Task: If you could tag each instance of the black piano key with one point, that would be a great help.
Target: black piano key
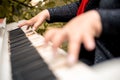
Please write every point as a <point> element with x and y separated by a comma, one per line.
<point>17,76</point>
<point>50,77</point>
<point>26,60</point>
<point>20,47</point>
<point>18,43</point>
<point>18,36</point>
<point>35,68</point>
<point>30,66</point>
<point>21,51</point>
<point>17,39</point>
<point>16,32</point>
<point>23,55</point>
<point>35,75</point>
<point>36,72</point>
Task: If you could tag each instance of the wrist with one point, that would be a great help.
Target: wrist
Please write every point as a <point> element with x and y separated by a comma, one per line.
<point>46,13</point>
<point>96,22</point>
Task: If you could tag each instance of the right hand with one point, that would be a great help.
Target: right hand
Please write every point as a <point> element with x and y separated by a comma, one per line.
<point>37,20</point>
<point>80,30</point>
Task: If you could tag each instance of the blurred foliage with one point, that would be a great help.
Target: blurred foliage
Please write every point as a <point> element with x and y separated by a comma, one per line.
<point>15,10</point>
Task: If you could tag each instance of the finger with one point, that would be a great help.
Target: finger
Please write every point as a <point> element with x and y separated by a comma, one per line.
<point>36,25</point>
<point>28,27</point>
<point>23,23</point>
<point>58,38</point>
<point>73,50</point>
<point>49,35</point>
<point>27,22</point>
<point>89,42</point>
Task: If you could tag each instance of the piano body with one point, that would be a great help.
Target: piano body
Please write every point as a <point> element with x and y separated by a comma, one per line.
<point>24,56</point>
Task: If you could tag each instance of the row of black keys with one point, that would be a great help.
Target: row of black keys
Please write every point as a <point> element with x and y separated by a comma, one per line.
<point>25,60</point>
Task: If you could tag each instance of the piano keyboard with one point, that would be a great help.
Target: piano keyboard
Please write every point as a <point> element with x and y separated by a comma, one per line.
<point>24,56</point>
<point>26,62</point>
<point>31,59</point>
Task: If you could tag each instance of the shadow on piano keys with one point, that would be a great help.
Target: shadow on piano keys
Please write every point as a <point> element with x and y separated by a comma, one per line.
<point>31,59</point>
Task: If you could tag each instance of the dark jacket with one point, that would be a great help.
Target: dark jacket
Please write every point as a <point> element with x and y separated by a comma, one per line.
<point>109,11</point>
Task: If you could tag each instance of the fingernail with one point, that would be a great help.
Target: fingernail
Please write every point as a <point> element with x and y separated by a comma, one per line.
<point>18,25</point>
<point>33,28</point>
<point>71,60</point>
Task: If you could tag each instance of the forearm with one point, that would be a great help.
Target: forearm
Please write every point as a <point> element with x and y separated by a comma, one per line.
<point>63,13</point>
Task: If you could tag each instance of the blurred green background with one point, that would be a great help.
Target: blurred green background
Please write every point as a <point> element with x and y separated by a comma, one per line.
<point>15,10</point>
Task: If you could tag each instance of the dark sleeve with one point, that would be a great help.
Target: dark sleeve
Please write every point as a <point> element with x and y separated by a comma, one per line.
<point>110,22</point>
<point>63,13</point>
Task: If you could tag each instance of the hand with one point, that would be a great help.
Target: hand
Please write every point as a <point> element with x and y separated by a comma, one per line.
<point>81,29</point>
<point>37,20</point>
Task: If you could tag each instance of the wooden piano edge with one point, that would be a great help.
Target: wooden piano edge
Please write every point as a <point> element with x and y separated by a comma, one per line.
<point>5,66</point>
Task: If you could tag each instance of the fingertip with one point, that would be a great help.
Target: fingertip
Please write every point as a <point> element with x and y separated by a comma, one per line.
<point>36,25</point>
<point>73,50</point>
<point>90,45</point>
<point>47,35</point>
<point>34,28</point>
<point>19,25</point>
<point>89,42</point>
<point>71,60</point>
<point>46,41</point>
